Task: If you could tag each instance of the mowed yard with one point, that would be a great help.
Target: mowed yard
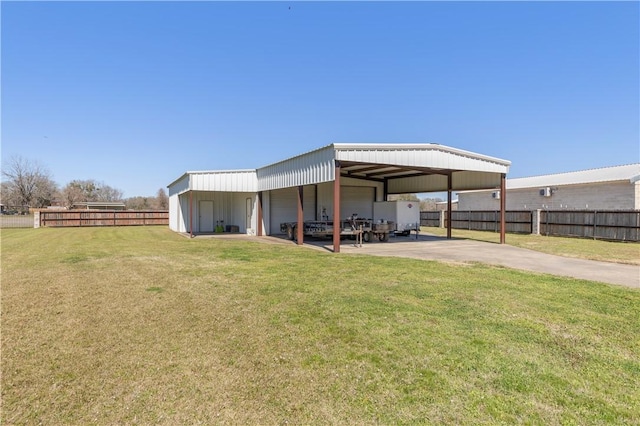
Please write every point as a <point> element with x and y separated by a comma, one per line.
<point>140,325</point>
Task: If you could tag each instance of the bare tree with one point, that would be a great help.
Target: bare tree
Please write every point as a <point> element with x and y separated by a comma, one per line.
<point>138,203</point>
<point>72,193</point>
<point>27,183</point>
<point>108,194</point>
<point>88,190</point>
<point>403,197</point>
<point>429,204</point>
<point>162,201</point>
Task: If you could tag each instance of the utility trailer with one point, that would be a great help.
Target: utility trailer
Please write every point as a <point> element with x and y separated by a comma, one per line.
<point>349,228</point>
<point>404,215</point>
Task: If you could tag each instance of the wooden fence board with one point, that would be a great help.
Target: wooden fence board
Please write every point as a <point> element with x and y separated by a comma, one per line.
<point>482,220</point>
<point>430,218</point>
<point>76,218</point>
<point>617,225</point>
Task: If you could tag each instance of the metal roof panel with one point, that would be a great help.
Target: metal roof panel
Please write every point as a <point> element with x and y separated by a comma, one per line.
<point>630,172</point>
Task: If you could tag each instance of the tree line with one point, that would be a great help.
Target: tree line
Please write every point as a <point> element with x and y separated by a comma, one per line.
<point>28,184</point>
<point>426,204</point>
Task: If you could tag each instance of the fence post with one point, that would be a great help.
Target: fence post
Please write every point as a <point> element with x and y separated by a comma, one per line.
<point>546,215</point>
<point>442,219</point>
<point>36,219</point>
<point>595,213</point>
<point>535,221</point>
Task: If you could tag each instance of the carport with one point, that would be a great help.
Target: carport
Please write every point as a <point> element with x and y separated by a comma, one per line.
<point>396,168</point>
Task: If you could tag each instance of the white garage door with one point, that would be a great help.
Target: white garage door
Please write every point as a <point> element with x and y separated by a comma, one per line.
<point>357,199</point>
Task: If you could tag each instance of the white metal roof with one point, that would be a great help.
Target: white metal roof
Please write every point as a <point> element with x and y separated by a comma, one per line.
<point>406,168</point>
<point>216,180</point>
<point>433,155</point>
<point>629,172</point>
<point>415,167</point>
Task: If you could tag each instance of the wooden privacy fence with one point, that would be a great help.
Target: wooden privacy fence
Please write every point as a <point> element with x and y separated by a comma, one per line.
<point>516,221</point>
<point>617,225</point>
<point>620,225</point>
<point>69,218</point>
<point>480,220</point>
<point>430,218</point>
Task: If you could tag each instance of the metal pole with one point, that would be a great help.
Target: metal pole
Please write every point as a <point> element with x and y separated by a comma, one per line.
<point>503,207</point>
<point>336,209</point>
<point>449,204</point>
<point>300,230</point>
<point>260,213</point>
<point>191,214</point>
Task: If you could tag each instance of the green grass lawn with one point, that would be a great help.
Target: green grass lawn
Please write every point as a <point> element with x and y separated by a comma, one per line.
<point>584,248</point>
<point>139,325</point>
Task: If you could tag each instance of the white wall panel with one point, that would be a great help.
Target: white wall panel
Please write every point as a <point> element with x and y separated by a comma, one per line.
<point>283,208</point>
<point>180,185</point>
<point>231,181</point>
<point>430,183</point>
<point>307,169</point>
<point>357,199</point>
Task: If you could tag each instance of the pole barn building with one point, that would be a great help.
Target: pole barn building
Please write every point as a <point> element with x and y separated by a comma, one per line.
<point>325,184</point>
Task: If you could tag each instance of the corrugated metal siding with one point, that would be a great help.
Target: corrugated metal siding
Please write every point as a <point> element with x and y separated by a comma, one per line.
<point>176,222</point>
<point>421,155</point>
<point>318,166</point>
<point>432,183</point>
<point>473,180</point>
<point>284,206</point>
<point>226,181</point>
<point>180,185</point>
<point>358,200</point>
<point>307,169</point>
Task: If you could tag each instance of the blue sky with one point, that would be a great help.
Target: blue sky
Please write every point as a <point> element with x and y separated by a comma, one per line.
<point>136,93</point>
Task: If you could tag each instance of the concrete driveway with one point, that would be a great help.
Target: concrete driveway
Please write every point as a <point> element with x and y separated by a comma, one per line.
<point>463,250</point>
<point>430,247</point>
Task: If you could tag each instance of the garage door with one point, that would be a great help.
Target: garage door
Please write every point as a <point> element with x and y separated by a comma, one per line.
<point>357,199</point>
<point>284,206</point>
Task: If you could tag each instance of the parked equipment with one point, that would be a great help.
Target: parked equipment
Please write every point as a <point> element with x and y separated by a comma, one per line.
<point>349,227</point>
<point>404,215</point>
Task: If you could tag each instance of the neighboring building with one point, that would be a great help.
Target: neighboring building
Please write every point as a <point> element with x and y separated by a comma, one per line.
<point>443,205</point>
<point>607,188</point>
<point>98,205</point>
<point>336,180</point>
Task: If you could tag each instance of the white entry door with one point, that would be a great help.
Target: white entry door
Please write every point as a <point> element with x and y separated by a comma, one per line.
<point>206,216</point>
